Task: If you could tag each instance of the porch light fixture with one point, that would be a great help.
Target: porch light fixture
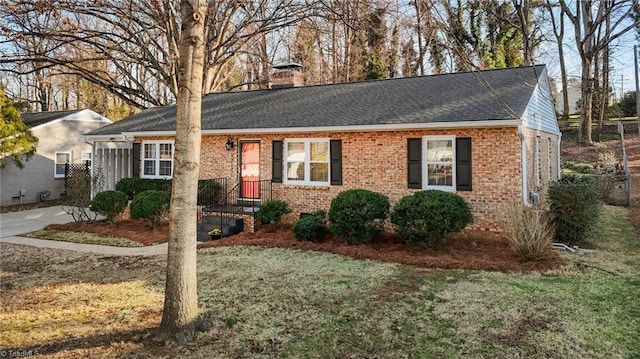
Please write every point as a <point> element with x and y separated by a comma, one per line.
<point>229,144</point>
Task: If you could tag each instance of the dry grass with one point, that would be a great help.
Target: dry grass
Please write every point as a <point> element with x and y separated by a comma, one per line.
<point>529,232</point>
<point>282,303</point>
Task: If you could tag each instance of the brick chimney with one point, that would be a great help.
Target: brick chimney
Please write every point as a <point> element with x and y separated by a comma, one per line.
<point>287,75</point>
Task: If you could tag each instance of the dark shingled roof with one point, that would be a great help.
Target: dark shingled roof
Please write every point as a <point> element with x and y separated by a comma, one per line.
<point>501,94</point>
<point>33,119</point>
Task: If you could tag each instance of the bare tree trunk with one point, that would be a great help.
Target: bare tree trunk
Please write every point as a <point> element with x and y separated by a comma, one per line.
<point>181,292</point>
<point>584,128</point>
<point>559,35</point>
<point>421,50</point>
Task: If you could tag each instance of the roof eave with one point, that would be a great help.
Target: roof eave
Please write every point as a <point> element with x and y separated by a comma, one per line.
<point>360,128</point>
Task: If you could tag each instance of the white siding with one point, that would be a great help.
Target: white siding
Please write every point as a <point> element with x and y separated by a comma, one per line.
<point>540,114</point>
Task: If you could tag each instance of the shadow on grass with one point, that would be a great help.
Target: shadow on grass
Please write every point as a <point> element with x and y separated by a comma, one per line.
<point>144,337</point>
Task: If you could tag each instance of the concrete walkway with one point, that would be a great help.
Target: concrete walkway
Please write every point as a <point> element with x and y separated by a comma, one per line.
<point>13,224</point>
<point>159,249</point>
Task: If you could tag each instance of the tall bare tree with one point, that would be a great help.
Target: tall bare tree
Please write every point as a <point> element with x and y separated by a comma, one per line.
<point>587,16</point>
<point>181,292</point>
<point>557,24</point>
<point>138,38</point>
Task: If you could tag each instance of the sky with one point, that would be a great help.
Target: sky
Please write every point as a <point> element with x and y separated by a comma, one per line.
<point>622,76</point>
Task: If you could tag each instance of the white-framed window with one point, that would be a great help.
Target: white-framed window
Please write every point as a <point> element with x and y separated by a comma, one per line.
<point>157,159</point>
<point>439,170</point>
<point>87,156</point>
<point>60,160</point>
<point>307,161</point>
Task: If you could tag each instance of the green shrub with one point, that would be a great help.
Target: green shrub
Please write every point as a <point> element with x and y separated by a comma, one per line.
<point>529,233</point>
<point>574,209</point>
<point>358,215</point>
<point>311,228</point>
<point>583,168</point>
<point>109,204</point>
<point>575,179</point>
<point>132,186</point>
<point>150,205</point>
<point>272,211</point>
<point>429,217</point>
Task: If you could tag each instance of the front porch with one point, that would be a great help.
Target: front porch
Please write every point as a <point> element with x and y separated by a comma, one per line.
<point>230,208</point>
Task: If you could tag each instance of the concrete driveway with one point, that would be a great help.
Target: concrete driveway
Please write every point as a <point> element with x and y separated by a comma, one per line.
<point>15,223</point>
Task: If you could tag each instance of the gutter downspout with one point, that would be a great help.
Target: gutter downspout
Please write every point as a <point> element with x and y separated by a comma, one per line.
<point>558,157</point>
<point>523,151</point>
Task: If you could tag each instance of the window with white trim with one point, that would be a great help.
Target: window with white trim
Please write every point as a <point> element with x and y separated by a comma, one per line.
<point>60,160</point>
<point>307,161</point>
<point>439,166</point>
<point>87,156</point>
<point>157,159</point>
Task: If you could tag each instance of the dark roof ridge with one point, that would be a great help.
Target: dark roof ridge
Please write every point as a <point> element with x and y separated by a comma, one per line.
<point>534,66</point>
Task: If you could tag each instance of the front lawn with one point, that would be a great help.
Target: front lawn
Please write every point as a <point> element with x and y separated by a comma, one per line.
<point>284,303</point>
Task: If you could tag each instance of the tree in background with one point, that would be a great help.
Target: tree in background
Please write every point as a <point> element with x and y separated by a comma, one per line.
<point>628,105</point>
<point>596,24</point>
<point>17,143</point>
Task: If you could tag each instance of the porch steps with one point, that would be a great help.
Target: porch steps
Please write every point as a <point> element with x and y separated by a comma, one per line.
<point>235,226</point>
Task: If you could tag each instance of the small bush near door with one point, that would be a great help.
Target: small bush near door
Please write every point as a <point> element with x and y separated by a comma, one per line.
<point>272,211</point>
<point>109,204</point>
<point>150,205</point>
<point>429,217</point>
<point>358,215</point>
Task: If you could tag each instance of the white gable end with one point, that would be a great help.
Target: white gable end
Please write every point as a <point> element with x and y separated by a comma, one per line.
<point>540,112</point>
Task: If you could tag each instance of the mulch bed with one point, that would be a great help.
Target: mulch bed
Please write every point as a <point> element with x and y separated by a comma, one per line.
<point>470,250</point>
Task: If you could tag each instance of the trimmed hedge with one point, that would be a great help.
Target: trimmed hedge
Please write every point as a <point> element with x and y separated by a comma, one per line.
<point>132,186</point>
<point>272,211</point>
<point>109,204</point>
<point>574,209</point>
<point>358,215</point>
<point>150,205</point>
<point>429,217</point>
<point>311,228</point>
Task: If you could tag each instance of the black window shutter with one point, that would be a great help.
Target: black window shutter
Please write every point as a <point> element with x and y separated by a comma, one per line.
<point>276,162</point>
<point>135,161</point>
<point>463,163</point>
<point>335,150</point>
<point>414,163</point>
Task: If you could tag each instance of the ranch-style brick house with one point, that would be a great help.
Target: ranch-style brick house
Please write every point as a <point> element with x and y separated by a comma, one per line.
<point>489,136</point>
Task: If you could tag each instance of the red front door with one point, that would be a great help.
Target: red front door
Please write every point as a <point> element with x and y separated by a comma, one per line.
<point>250,170</point>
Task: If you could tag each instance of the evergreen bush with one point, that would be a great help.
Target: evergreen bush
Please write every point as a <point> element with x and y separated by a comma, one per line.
<point>574,208</point>
<point>132,186</point>
<point>429,217</point>
<point>109,204</point>
<point>150,205</point>
<point>311,228</point>
<point>272,211</point>
<point>358,215</point>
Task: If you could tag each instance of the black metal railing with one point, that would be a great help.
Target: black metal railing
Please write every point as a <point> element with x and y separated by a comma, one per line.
<point>211,194</point>
<point>243,198</point>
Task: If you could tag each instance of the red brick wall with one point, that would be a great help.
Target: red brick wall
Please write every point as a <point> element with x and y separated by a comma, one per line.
<point>377,161</point>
